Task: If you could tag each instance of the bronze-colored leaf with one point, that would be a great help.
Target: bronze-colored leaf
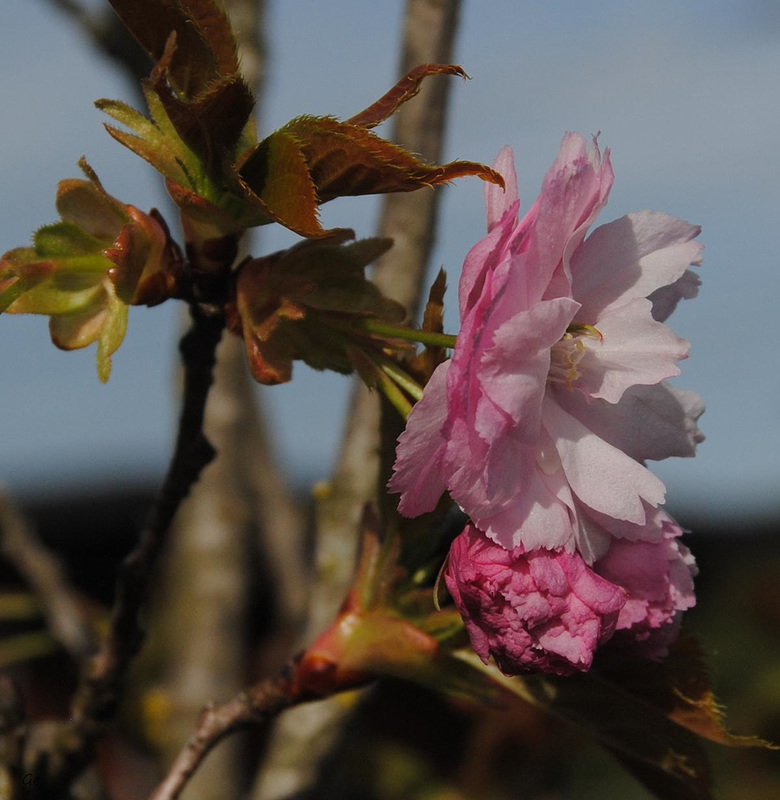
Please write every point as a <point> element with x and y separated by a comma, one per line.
<point>313,159</point>
<point>663,754</point>
<point>211,120</point>
<point>212,123</point>
<point>404,90</point>
<point>680,686</point>
<point>205,46</point>
<point>276,178</point>
<point>426,362</point>
<point>346,160</point>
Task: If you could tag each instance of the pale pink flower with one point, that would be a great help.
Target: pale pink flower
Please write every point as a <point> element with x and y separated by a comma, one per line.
<point>556,390</point>
<point>539,611</point>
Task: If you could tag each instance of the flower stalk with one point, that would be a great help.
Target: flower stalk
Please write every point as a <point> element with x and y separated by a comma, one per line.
<point>430,338</point>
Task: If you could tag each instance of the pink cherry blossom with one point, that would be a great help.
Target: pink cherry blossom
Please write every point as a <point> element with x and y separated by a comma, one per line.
<point>539,611</point>
<point>556,392</point>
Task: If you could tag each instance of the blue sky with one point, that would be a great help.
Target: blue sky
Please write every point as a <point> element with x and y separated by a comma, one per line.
<point>683,93</point>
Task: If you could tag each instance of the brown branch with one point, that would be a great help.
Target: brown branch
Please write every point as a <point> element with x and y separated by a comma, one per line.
<point>47,578</point>
<point>103,675</point>
<point>255,706</point>
<point>304,735</point>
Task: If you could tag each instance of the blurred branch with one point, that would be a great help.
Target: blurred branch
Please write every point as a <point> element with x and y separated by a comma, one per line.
<point>199,646</point>
<point>108,35</point>
<point>276,508</point>
<point>304,735</point>
<point>410,219</point>
<point>45,575</point>
<point>103,675</point>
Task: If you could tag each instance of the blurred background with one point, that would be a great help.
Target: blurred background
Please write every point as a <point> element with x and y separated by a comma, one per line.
<point>685,96</point>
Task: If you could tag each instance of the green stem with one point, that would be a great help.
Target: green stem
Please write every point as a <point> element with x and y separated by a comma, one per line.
<point>398,374</point>
<point>410,334</point>
<point>388,387</point>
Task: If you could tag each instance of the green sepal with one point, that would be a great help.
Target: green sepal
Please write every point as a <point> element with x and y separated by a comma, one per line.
<point>66,240</point>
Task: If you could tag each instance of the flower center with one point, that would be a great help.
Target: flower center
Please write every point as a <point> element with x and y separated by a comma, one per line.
<point>567,353</point>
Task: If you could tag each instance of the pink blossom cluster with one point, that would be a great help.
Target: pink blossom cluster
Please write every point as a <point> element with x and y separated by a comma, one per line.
<point>540,424</point>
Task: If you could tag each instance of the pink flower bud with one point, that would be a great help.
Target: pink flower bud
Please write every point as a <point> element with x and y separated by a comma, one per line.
<point>541,611</point>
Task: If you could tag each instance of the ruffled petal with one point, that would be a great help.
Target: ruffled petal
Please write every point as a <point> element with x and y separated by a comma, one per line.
<point>600,475</point>
<point>666,298</point>
<point>540,611</point>
<point>649,422</point>
<point>499,201</point>
<point>417,470</point>
<point>631,258</point>
<point>513,371</point>
<point>634,349</point>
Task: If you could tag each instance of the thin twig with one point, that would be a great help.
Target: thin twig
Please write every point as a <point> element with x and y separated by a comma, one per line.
<point>46,576</point>
<point>193,452</point>
<point>254,706</point>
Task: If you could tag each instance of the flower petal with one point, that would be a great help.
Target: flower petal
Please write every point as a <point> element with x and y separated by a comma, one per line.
<point>666,298</point>
<point>417,470</point>
<point>602,476</point>
<point>499,200</point>
<point>513,371</point>
<point>649,422</point>
<point>634,349</point>
<point>631,258</point>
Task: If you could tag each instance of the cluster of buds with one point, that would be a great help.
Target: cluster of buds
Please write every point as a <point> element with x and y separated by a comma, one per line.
<point>84,271</point>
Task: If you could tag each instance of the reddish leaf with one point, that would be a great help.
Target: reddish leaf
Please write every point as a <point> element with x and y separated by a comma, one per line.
<point>404,90</point>
<point>670,760</point>
<point>83,203</point>
<point>681,688</point>
<point>347,160</point>
<point>210,121</point>
<point>302,303</point>
<point>276,178</point>
<point>313,159</point>
<point>206,47</point>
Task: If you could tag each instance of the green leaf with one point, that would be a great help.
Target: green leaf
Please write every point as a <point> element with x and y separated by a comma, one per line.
<point>9,292</point>
<point>64,239</point>
<point>111,334</point>
<point>59,295</point>
<point>87,205</point>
